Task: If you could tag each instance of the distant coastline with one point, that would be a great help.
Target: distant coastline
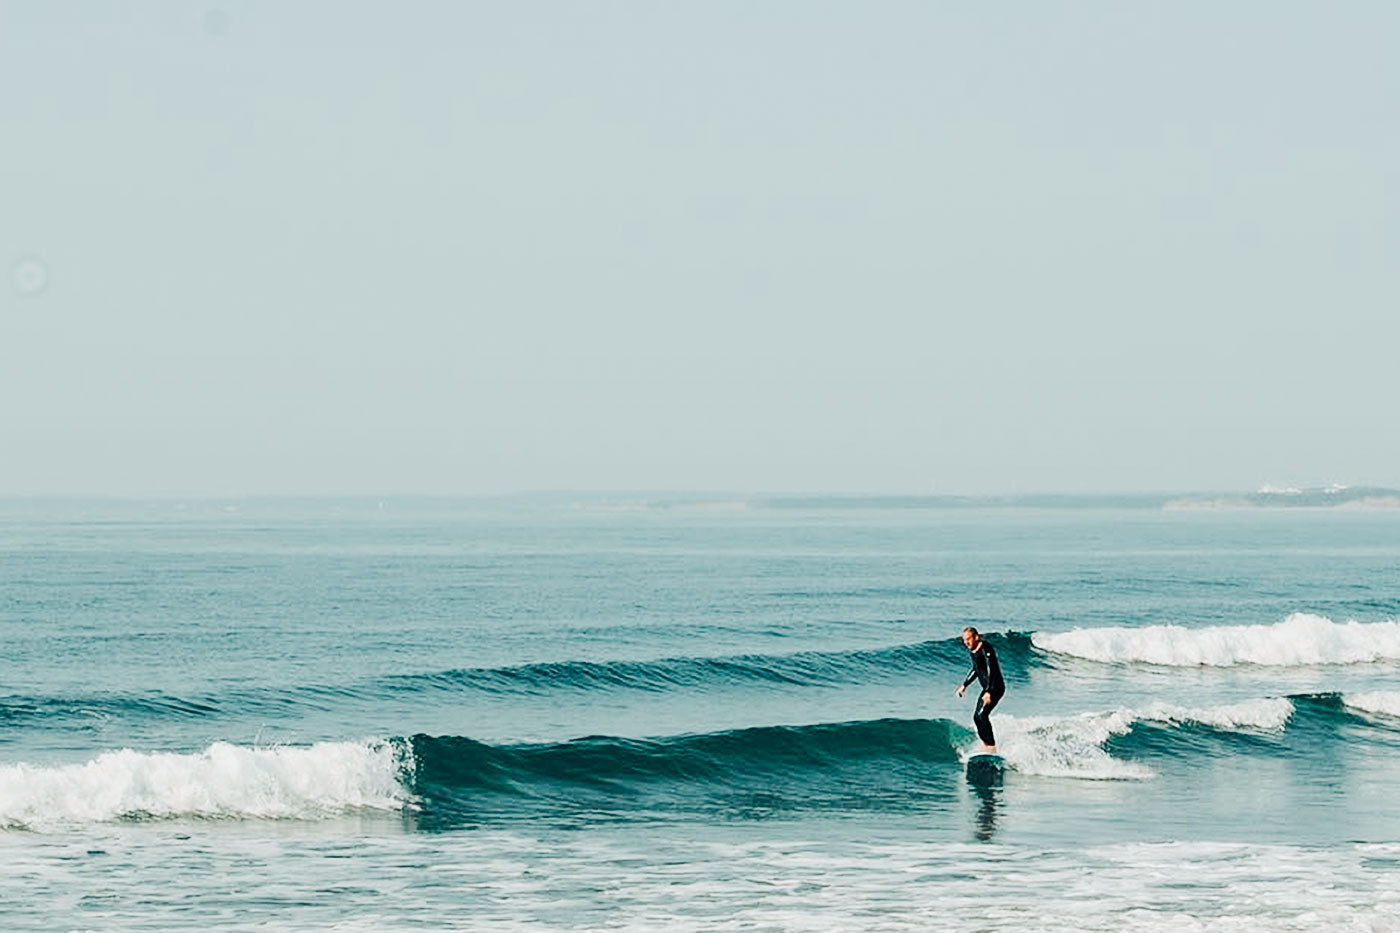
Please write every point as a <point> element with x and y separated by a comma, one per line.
<point>1271,497</point>
<point>1268,497</point>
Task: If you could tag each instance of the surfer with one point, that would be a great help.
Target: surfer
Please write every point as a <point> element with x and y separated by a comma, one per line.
<point>987,672</point>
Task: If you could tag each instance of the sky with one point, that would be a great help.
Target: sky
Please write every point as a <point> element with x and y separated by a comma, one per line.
<point>455,248</point>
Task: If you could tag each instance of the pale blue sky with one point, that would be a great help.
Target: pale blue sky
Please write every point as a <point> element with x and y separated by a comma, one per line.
<point>265,247</point>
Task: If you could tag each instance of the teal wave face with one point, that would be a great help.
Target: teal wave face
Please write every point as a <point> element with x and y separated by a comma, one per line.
<point>811,668</point>
<point>888,762</point>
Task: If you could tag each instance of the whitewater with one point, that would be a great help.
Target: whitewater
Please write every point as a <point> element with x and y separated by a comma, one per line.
<point>1300,639</point>
<point>545,714</point>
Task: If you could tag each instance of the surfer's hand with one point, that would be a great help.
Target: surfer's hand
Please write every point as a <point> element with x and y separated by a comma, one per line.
<point>962,690</point>
<point>986,698</point>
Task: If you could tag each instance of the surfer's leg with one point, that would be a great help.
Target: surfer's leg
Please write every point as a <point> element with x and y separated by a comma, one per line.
<point>983,721</point>
<point>982,718</point>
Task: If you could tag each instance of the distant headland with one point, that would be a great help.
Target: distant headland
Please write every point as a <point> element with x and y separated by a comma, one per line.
<point>1335,496</point>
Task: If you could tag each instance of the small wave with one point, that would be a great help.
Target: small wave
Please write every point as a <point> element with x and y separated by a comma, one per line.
<point>806,669</point>
<point>222,782</point>
<point>1302,639</point>
<point>62,711</point>
<point>778,671</point>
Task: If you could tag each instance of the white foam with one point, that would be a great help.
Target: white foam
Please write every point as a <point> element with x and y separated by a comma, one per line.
<point>491,880</point>
<point>1386,702</point>
<point>223,781</point>
<point>1068,746</point>
<point>1073,746</point>
<point>1263,715</point>
<point>1301,639</point>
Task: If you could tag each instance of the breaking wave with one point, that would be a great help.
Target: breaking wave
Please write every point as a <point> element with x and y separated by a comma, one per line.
<point>1302,639</point>
<point>1385,702</point>
<point>867,764</point>
<point>222,782</point>
<point>1081,746</point>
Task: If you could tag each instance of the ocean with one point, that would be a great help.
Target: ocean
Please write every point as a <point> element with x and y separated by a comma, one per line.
<point>583,713</point>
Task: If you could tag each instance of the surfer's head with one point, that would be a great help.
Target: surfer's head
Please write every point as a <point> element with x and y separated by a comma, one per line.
<point>970,637</point>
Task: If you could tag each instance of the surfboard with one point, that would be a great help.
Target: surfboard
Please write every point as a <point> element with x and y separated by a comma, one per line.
<point>985,769</point>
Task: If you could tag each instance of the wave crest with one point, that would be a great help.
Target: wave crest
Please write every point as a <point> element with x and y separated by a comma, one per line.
<point>223,781</point>
<point>1300,640</point>
<point>1386,702</point>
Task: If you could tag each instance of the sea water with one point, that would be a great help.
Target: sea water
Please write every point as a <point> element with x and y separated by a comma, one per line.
<point>584,714</point>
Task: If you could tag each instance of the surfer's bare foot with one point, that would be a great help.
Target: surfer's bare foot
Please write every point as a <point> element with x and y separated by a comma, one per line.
<point>989,749</point>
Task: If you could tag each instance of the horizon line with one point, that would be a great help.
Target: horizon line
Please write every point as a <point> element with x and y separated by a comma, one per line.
<point>1270,490</point>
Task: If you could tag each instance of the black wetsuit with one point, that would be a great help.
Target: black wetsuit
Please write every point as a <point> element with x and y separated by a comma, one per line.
<point>987,672</point>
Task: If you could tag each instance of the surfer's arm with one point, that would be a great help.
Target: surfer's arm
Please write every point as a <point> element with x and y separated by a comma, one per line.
<point>971,676</point>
